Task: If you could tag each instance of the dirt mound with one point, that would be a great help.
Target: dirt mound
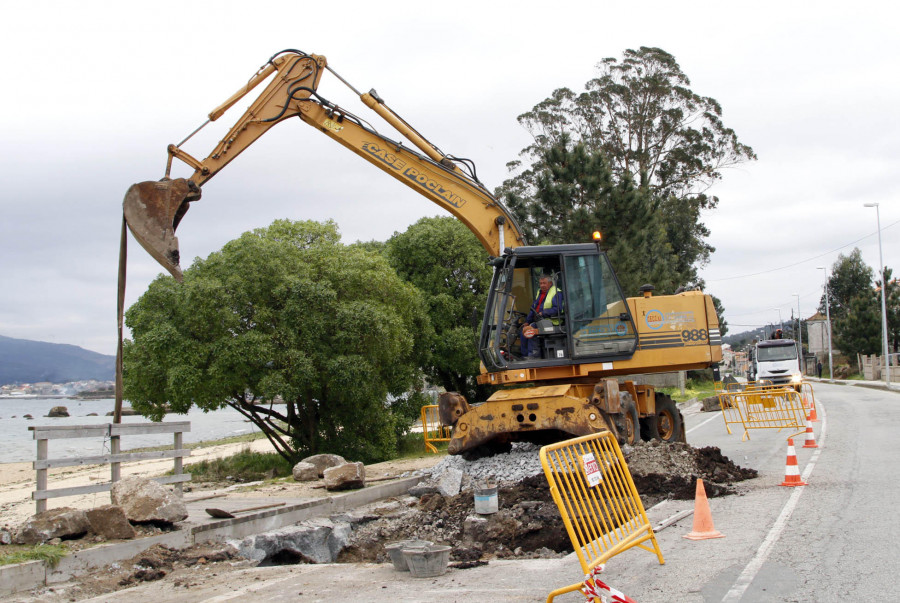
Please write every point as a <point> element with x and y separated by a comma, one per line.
<point>663,471</point>
<point>527,525</point>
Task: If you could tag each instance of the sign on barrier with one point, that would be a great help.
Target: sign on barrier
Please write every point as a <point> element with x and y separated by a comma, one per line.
<point>764,408</point>
<point>600,507</point>
<point>432,429</point>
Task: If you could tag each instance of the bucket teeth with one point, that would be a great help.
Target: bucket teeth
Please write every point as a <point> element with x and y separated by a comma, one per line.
<point>153,210</point>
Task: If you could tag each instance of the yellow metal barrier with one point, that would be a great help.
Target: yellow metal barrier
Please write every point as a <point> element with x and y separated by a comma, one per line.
<point>432,429</point>
<point>764,408</point>
<point>730,411</point>
<point>808,396</point>
<point>596,497</point>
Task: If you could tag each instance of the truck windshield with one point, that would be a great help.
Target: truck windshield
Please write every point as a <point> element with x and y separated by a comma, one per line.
<point>776,353</point>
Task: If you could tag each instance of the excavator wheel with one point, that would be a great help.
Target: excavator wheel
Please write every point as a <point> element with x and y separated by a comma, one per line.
<point>631,428</point>
<point>669,422</point>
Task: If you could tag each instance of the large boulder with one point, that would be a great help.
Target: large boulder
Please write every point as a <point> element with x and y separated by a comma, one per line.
<point>58,411</point>
<point>64,522</point>
<point>450,482</point>
<point>345,477</point>
<point>313,541</point>
<point>324,461</point>
<point>110,522</point>
<point>711,404</point>
<point>144,500</point>
<point>305,472</point>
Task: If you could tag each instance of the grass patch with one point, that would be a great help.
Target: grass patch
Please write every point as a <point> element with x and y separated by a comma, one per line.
<point>244,466</point>
<point>48,553</point>
<point>247,437</point>
<point>693,389</point>
<point>412,446</point>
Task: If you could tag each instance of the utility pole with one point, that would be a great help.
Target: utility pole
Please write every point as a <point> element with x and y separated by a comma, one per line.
<point>799,329</point>
<point>884,330</point>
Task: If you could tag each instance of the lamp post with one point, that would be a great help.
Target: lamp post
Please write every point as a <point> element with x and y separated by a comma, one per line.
<point>799,329</point>
<point>884,330</point>
<point>828,318</point>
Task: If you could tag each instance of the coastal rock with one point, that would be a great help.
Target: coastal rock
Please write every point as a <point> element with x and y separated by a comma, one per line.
<point>64,522</point>
<point>324,461</point>
<point>305,472</point>
<point>58,411</point>
<point>345,477</point>
<point>110,522</point>
<point>145,500</point>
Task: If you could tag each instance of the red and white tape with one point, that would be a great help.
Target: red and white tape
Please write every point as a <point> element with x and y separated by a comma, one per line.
<point>595,588</point>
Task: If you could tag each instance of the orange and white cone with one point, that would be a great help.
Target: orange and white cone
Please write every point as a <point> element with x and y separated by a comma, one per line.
<point>813,418</point>
<point>810,436</point>
<point>703,523</point>
<point>791,470</point>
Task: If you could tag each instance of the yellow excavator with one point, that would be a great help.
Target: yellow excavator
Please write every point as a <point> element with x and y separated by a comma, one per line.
<point>568,383</point>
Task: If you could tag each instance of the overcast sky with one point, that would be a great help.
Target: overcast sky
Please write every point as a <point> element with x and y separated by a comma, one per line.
<point>94,91</point>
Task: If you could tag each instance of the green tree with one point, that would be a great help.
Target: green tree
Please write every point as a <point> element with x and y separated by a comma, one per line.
<point>444,260</point>
<point>642,117</point>
<point>858,330</point>
<point>720,313</point>
<point>575,193</point>
<point>850,278</point>
<point>893,309</point>
<point>284,313</point>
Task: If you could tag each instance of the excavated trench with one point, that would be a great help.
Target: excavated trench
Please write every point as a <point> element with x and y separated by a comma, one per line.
<point>528,523</point>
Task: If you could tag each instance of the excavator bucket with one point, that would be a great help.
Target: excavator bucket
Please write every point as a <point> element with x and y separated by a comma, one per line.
<point>153,210</point>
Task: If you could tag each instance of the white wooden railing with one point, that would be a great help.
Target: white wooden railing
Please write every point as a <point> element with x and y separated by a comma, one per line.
<point>112,431</point>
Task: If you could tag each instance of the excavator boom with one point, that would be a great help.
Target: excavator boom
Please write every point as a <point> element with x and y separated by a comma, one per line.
<point>153,209</point>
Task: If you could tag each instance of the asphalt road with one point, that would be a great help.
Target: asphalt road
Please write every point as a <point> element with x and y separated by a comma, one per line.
<point>833,540</point>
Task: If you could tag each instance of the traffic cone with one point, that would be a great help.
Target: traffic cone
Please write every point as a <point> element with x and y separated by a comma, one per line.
<point>703,523</point>
<point>810,436</point>
<point>791,470</point>
<point>813,418</point>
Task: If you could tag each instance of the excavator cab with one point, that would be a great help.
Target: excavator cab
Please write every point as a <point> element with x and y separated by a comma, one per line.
<point>593,325</point>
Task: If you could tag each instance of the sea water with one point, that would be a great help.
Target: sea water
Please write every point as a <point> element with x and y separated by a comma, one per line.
<point>17,442</point>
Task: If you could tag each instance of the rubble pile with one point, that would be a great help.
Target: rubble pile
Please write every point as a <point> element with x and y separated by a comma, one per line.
<point>528,522</point>
<point>522,462</point>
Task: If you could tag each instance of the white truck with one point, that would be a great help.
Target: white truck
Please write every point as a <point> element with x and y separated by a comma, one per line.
<point>777,361</point>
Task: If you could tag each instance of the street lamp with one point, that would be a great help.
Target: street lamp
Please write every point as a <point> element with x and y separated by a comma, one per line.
<point>884,331</point>
<point>828,318</point>
<point>799,327</point>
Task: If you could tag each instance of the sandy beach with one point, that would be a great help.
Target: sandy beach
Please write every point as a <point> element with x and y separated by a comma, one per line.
<point>17,480</point>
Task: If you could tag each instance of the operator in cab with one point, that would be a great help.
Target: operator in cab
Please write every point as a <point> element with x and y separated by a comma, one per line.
<point>547,304</point>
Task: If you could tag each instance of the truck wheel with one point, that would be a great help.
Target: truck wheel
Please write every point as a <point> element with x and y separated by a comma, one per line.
<point>631,423</point>
<point>669,422</point>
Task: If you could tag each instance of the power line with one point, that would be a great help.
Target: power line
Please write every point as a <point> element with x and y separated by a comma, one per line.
<point>730,278</point>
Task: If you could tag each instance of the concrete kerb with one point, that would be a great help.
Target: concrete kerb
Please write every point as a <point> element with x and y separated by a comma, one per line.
<point>24,576</point>
<point>857,383</point>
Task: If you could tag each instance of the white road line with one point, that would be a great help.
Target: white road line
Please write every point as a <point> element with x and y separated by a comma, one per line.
<point>698,426</point>
<point>743,581</point>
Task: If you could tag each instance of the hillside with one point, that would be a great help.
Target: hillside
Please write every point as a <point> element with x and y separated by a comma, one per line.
<point>25,361</point>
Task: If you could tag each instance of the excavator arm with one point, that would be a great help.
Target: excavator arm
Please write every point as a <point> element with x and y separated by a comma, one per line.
<point>153,209</point>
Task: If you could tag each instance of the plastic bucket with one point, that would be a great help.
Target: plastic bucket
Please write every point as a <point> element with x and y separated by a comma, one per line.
<point>395,550</point>
<point>486,499</point>
<point>427,562</point>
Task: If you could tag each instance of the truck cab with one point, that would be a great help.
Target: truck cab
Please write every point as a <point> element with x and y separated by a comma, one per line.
<point>777,361</point>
